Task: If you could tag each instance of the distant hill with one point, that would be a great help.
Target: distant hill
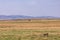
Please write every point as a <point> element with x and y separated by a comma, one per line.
<point>4,17</point>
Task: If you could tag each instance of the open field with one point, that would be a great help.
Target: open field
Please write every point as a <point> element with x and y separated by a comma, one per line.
<point>33,29</point>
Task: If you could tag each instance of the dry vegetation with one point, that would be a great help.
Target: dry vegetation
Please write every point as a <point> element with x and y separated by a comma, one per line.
<point>32,24</point>
<point>27,29</point>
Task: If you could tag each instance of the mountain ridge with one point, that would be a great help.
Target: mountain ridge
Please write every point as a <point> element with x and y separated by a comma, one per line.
<point>4,17</point>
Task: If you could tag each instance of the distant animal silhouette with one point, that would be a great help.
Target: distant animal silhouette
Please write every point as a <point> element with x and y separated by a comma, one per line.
<point>45,35</point>
<point>29,19</point>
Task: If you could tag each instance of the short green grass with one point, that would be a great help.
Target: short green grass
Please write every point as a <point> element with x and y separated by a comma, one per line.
<point>28,34</point>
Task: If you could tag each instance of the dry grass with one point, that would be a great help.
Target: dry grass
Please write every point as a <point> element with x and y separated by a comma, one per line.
<point>33,24</point>
<point>29,30</point>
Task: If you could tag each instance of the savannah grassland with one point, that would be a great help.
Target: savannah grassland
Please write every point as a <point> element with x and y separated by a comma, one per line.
<point>33,29</point>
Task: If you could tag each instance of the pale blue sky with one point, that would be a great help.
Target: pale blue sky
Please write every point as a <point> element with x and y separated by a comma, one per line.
<point>30,7</point>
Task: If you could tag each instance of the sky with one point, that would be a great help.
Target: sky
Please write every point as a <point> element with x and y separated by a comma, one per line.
<point>30,7</point>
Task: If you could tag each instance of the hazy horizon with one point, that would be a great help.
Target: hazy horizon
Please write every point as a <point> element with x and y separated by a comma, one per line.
<point>30,7</point>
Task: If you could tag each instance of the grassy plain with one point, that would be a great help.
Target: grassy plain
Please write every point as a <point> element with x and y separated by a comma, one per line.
<point>33,29</point>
